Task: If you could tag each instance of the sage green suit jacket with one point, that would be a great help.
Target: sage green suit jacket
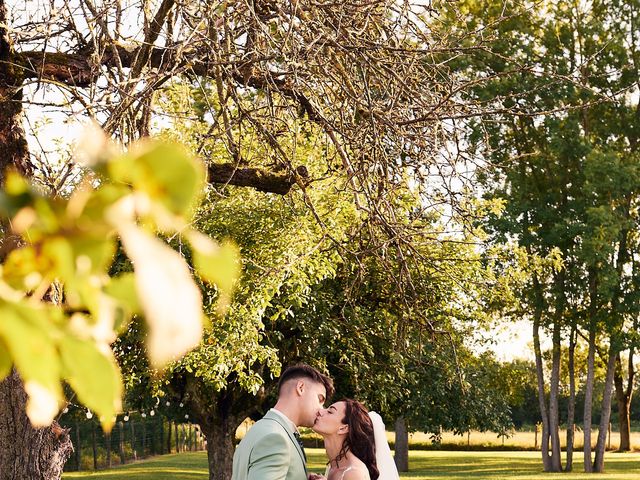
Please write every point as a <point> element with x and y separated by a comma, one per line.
<point>269,451</point>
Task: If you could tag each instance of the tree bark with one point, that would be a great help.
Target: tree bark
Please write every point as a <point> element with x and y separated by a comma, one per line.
<point>588,400</point>
<point>554,413</point>
<point>588,387</point>
<point>27,453</point>
<point>544,440</point>
<point>13,140</point>
<point>623,397</point>
<point>598,462</point>
<point>571,409</point>
<point>220,434</point>
<point>262,180</point>
<point>402,445</point>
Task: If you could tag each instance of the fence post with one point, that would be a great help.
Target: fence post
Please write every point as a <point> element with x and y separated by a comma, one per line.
<point>107,445</point>
<point>93,443</point>
<point>152,438</point>
<point>78,447</point>
<point>121,443</point>
<point>161,435</point>
<point>133,440</point>
<point>143,450</point>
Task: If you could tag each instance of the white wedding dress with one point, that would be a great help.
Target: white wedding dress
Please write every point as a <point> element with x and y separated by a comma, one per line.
<point>384,459</point>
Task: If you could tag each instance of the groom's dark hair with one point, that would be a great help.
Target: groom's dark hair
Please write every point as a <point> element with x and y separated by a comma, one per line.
<point>302,370</point>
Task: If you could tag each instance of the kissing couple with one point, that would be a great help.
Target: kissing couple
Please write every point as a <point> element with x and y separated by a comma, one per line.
<point>354,438</point>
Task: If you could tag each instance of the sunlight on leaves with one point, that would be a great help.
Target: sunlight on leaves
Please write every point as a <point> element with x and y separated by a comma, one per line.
<point>170,299</point>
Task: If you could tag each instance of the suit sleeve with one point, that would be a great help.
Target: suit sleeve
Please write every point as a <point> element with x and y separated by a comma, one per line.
<point>270,458</point>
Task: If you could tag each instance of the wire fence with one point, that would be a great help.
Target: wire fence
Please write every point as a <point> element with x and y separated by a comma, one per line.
<point>137,437</point>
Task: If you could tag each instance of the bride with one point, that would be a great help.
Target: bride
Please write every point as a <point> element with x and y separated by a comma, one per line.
<point>355,442</point>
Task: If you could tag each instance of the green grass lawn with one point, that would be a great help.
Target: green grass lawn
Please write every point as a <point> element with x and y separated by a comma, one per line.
<point>425,465</point>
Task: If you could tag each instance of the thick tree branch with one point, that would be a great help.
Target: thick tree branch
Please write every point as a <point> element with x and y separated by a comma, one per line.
<point>75,69</point>
<point>262,180</point>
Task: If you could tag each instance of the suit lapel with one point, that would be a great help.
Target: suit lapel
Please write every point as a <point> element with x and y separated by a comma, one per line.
<point>275,417</point>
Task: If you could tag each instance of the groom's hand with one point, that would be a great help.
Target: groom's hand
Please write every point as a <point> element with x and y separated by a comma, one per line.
<point>316,476</point>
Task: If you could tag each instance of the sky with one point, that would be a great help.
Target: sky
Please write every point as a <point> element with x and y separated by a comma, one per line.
<point>515,340</point>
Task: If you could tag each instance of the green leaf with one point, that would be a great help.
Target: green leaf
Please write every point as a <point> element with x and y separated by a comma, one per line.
<point>94,376</point>
<point>58,252</point>
<point>219,265</point>
<point>123,289</point>
<point>23,269</point>
<point>16,194</point>
<point>166,172</point>
<point>27,332</point>
<point>99,252</point>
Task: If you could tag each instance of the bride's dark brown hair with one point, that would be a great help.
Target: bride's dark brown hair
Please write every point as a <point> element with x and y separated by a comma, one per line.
<point>359,440</point>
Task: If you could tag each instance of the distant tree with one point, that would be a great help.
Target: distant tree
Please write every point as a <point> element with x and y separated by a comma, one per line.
<point>566,168</point>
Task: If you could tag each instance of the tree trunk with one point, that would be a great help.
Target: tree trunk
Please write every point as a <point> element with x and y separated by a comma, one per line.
<point>544,440</point>
<point>220,434</point>
<point>13,140</point>
<point>27,453</point>
<point>623,397</point>
<point>554,414</point>
<point>588,400</point>
<point>598,462</point>
<point>402,445</point>
<point>588,387</point>
<point>571,409</point>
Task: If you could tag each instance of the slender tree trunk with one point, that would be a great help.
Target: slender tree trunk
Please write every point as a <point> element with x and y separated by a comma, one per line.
<point>598,463</point>
<point>588,400</point>
<point>623,419</point>
<point>623,397</point>
<point>27,453</point>
<point>571,409</point>
<point>588,387</point>
<point>402,445</point>
<point>220,434</point>
<point>554,414</point>
<point>544,440</point>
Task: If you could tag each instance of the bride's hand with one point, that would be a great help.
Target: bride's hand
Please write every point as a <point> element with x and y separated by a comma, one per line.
<point>316,476</point>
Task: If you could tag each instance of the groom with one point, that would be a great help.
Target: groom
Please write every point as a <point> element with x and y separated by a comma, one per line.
<point>272,448</point>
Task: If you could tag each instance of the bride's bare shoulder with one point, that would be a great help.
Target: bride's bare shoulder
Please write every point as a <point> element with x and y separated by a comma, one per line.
<point>356,474</point>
